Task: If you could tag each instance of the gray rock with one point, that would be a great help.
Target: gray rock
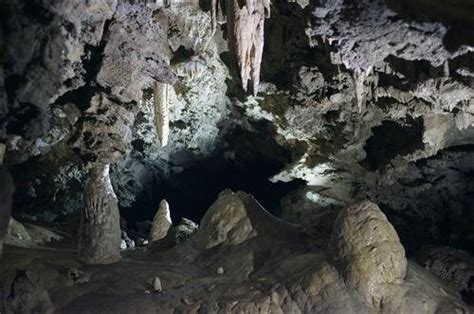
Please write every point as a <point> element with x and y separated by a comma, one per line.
<point>99,233</point>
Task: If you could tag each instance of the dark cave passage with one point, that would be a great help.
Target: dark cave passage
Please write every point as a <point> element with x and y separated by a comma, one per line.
<point>247,164</point>
<point>437,196</point>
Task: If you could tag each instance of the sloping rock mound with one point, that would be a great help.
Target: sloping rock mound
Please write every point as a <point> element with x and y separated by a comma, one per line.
<point>367,251</point>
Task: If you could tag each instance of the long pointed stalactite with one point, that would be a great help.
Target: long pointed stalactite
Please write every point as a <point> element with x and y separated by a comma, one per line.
<point>245,31</point>
<point>359,76</point>
<point>161,99</point>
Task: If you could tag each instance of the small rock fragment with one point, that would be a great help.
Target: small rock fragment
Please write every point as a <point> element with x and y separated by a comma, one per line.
<point>220,271</point>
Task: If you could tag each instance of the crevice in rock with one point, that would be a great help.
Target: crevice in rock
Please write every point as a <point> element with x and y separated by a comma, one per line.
<point>247,163</point>
<point>392,139</point>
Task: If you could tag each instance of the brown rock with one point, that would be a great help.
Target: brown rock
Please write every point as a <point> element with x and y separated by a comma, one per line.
<point>367,251</point>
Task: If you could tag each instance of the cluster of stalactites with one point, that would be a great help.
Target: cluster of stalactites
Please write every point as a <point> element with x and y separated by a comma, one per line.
<point>245,31</point>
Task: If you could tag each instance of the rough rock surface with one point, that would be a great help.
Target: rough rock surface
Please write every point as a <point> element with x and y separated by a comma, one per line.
<point>198,110</point>
<point>28,294</point>
<point>99,232</point>
<point>365,99</point>
<point>454,266</point>
<point>367,252</point>
<point>245,31</point>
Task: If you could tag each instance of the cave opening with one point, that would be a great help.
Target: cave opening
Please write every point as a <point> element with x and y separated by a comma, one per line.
<point>246,163</point>
<point>392,139</point>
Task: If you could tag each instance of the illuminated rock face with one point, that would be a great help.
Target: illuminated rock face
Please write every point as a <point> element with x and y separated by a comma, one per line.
<point>161,93</point>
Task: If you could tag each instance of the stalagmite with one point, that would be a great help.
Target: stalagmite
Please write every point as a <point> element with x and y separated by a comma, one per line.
<point>161,97</point>
<point>367,252</point>
<point>245,30</point>
<point>161,223</point>
<point>99,233</point>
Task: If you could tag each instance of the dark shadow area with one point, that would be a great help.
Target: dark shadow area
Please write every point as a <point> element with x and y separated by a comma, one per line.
<point>392,139</point>
<point>247,165</point>
<point>432,201</point>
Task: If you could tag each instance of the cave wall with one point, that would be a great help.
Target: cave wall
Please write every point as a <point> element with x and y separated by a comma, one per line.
<point>355,97</point>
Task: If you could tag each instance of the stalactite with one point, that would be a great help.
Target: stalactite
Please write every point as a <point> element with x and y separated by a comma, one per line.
<point>359,77</point>
<point>161,98</point>
<point>245,30</point>
<point>446,68</point>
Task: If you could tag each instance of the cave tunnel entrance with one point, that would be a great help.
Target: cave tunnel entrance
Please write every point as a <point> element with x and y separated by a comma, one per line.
<point>392,139</point>
<point>246,164</point>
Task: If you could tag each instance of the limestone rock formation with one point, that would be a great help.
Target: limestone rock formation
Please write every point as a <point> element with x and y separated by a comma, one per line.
<point>317,228</point>
<point>6,193</point>
<point>236,217</point>
<point>243,260</point>
<point>99,233</point>
<point>161,96</point>
<point>105,132</point>
<point>161,222</point>
<point>367,252</point>
<point>367,99</point>
<point>245,31</point>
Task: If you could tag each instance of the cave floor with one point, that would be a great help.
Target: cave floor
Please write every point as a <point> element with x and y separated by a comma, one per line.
<point>127,286</point>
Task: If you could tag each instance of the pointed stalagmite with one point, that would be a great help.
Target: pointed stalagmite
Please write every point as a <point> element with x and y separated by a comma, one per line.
<point>161,223</point>
<point>99,233</point>
<point>245,31</point>
<point>161,97</point>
